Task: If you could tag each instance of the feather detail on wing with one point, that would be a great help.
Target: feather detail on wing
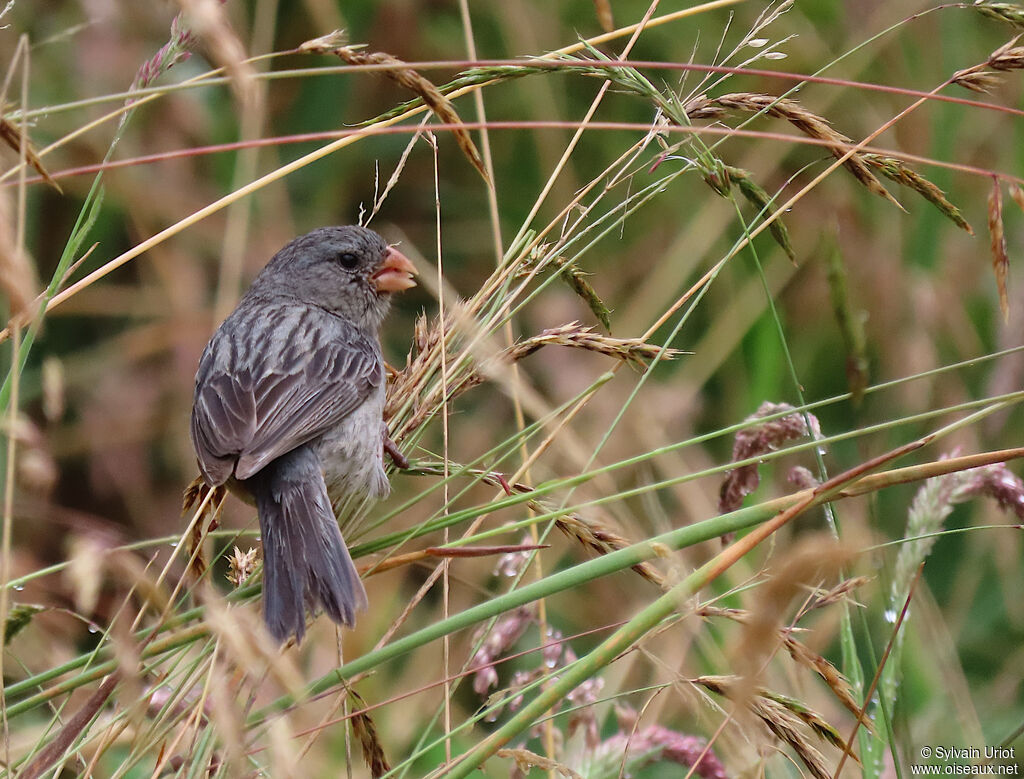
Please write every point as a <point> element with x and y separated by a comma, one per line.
<point>258,398</point>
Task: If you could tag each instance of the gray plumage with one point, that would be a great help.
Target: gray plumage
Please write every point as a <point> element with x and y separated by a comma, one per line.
<point>288,406</point>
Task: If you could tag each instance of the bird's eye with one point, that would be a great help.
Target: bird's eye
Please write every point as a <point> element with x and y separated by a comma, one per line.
<point>348,260</point>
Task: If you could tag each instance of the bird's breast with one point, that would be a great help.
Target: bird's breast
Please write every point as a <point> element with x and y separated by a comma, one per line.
<point>352,452</point>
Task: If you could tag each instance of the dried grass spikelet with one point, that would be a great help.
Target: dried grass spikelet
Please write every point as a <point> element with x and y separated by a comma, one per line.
<point>84,571</point>
<point>1006,58</point>
<point>837,594</point>
<point>17,271</point>
<point>599,539</point>
<point>898,171</point>
<point>807,122</point>
<point>366,734</point>
<point>13,136</point>
<point>837,683</point>
<point>757,196</point>
<point>241,565</point>
<point>406,77</point>
<point>524,761</point>
<point>195,494</point>
<point>196,491</point>
<point>209,21</point>
<point>786,718</point>
<point>1000,257</point>
<point>736,615</point>
<point>577,336</point>
<point>542,256</point>
<point>981,81</point>
<point>19,617</point>
<point>1017,195</point>
<point>813,559</point>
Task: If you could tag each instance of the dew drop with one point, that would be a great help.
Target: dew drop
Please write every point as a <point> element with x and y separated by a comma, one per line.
<point>173,545</point>
<point>93,629</point>
<point>775,55</point>
<point>757,43</point>
<point>19,587</point>
<point>890,616</point>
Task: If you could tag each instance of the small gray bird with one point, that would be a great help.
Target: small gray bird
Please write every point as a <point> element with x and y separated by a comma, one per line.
<point>288,410</point>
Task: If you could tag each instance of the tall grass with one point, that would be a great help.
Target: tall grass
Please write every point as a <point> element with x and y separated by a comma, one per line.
<point>707,294</point>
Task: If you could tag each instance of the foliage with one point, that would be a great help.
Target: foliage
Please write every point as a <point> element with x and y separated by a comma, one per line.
<point>700,289</point>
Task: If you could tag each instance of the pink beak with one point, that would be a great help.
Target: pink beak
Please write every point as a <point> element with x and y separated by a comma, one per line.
<point>395,273</point>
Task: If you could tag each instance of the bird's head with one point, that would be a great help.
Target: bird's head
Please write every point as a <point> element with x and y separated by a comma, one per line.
<point>349,270</point>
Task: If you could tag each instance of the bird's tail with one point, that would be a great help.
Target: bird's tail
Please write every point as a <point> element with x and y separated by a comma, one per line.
<point>305,560</point>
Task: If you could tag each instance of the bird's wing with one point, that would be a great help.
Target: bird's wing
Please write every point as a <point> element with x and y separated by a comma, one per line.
<point>258,397</point>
